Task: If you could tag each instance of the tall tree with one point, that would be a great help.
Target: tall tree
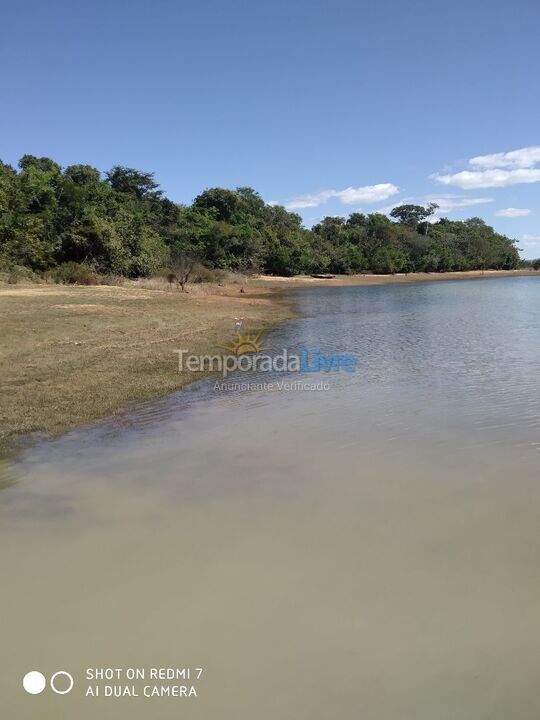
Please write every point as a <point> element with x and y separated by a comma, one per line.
<point>133,182</point>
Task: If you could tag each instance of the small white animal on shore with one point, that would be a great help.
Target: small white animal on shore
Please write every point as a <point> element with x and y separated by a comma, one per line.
<point>238,322</point>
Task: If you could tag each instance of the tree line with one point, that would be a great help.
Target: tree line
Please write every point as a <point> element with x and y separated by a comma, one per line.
<point>121,223</point>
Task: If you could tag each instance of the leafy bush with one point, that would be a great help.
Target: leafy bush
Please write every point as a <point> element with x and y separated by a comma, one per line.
<point>75,274</point>
<point>387,261</point>
<point>19,273</point>
<point>202,274</point>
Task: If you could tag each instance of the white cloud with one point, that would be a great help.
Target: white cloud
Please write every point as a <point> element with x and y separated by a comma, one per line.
<point>446,202</point>
<point>367,194</point>
<point>307,201</point>
<point>530,246</point>
<point>496,170</point>
<point>468,179</point>
<point>513,212</point>
<point>524,158</point>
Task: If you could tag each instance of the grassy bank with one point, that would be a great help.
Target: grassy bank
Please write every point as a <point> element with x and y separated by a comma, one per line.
<point>72,354</point>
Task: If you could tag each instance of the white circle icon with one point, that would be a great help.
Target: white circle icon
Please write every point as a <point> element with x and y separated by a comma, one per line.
<point>34,682</point>
<point>61,673</point>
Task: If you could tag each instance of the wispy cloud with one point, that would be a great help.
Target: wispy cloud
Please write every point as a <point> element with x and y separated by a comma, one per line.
<point>530,245</point>
<point>513,212</point>
<point>524,158</point>
<point>447,202</point>
<point>496,170</point>
<point>472,180</point>
<point>368,194</point>
<point>307,201</point>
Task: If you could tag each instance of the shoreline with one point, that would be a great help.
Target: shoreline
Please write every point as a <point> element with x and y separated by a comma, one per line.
<point>366,279</point>
<point>77,354</point>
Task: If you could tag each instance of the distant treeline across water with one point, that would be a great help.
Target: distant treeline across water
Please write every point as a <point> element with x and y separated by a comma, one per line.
<point>121,223</point>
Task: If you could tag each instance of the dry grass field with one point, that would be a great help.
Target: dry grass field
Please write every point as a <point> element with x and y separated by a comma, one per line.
<point>71,354</point>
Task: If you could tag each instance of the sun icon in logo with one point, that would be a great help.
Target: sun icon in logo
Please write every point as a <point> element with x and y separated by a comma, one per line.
<point>245,344</point>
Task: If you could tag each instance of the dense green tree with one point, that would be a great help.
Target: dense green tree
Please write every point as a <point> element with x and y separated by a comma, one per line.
<point>388,259</point>
<point>223,202</point>
<point>133,182</point>
<point>42,164</point>
<point>121,223</point>
<point>416,216</point>
<point>83,175</point>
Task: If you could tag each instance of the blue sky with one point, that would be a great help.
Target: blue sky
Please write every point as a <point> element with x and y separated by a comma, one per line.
<point>327,107</point>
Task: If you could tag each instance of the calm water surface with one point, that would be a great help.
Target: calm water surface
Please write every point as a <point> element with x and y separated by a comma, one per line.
<point>371,551</point>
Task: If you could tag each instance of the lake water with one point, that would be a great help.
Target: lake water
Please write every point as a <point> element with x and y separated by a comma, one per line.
<point>367,551</point>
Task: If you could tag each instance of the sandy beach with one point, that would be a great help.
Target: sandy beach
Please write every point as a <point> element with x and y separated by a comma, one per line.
<point>368,279</point>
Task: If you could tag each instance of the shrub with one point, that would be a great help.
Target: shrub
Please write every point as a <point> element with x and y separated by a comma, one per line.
<point>388,260</point>
<point>75,274</point>
<point>202,274</point>
<point>6,263</point>
<point>20,273</point>
<point>110,279</point>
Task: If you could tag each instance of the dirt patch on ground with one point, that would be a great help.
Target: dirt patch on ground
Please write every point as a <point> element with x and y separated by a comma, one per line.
<point>244,299</point>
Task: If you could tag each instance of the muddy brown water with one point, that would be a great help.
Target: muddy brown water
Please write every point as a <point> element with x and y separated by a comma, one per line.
<point>370,551</point>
